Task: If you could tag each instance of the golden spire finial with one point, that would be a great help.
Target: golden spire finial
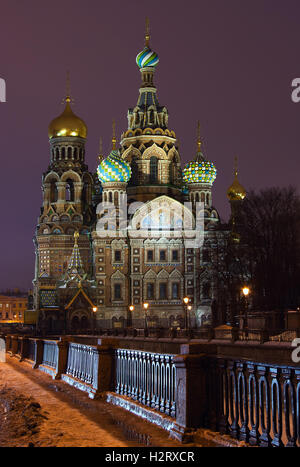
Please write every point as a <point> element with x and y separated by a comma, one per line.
<point>198,137</point>
<point>147,33</point>
<point>114,140</point>
<point>68,88</point>
<point>236,166</point>
<point>100,156</point>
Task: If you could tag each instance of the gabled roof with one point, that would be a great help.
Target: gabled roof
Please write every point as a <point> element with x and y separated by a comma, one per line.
<point>87,298</point>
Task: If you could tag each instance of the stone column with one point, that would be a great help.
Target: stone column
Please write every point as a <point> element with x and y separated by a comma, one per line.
<point>24,348</point>
<point>102,369</point>
<point>62,359</point>
<point>46,195</point>
<point>191,397</point>
<point>61,196</point>
<point>14,344</point>
<point>39,350</point>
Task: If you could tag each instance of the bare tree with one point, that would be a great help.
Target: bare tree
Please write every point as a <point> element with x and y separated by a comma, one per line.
<point>269,228</point>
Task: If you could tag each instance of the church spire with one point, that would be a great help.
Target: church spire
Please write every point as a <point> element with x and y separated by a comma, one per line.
<point>114,139</point>
<point>75,268</point>
<point>68,88</point>
<point>147,33</point>
<point>100,155</point>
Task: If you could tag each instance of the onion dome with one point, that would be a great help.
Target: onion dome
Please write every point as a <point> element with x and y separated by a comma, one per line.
<point>199,171</point>
<point>114,169</point>
<point>236,192</point>
<point>147,58</point>
<point>67,124</point>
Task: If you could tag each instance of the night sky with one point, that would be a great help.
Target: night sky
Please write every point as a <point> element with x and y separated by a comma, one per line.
<point>229,64</point>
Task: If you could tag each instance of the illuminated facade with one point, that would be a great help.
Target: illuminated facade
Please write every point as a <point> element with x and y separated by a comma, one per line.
<point>103,280</point>
<point>12,309</point>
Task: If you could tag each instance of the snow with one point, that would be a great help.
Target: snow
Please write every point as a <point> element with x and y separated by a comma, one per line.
<point>62,416</point>
<point>36,410</point>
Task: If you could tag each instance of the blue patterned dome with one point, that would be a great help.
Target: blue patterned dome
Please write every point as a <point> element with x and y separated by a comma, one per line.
<point>200,171</point>
<point>147,58</point>
<point>114,169</point>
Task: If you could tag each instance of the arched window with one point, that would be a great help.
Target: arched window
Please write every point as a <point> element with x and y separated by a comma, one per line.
<point>134,171</point>
<point>85,196</point>
<point>207,198</point>
<point>69,152</point>
<point>53,192</point>
<point>153,169</point>
<point>63,152</point>
<point>69,190</point>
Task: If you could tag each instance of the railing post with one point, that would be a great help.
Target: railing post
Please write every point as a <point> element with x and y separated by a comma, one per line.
<point>103,367</point>
<point>62,358</point>
<point>14,345</point>
<point>39,350</point>
<point>7,342</point>
<point>191,395</point>
<point>24,348</point>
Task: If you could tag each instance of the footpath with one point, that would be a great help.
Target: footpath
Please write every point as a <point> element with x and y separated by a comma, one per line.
<point>38,411</point>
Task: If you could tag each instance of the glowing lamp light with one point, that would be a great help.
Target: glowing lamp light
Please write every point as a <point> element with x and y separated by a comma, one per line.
<point>95,309</point>
<point>186,300</point>
<point>246,291</point>
<point>131,308</point>
<point>146,306</point>
<point>189,307</point>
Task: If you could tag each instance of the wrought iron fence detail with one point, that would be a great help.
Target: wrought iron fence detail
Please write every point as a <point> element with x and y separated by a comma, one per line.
<point>148,378</point>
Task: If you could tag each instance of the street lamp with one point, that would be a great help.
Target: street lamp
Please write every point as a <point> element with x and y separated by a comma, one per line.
<point>95,309</point>
<point>146,306</point>
<point>246,292</point>
<point>186,308</point>
<point>131,309</point>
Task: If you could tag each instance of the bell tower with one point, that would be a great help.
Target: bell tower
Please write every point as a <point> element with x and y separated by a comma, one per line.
<point>67,207</point>
<point>148,145</point>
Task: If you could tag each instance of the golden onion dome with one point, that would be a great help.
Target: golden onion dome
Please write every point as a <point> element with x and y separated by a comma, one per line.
<point>236,192</point>
<point>67,124</point>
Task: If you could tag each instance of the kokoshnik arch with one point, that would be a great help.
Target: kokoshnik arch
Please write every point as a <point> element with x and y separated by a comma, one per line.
<point>86,281</point>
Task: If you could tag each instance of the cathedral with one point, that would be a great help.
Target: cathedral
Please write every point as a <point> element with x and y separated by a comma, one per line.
<point>111,247</point>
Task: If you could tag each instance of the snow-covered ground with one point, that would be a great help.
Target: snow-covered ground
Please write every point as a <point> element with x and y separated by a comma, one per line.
<point>36,410</point>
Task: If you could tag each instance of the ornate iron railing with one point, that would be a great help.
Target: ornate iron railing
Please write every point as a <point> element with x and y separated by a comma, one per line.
<point>148,378</point>
<point>50,354</point>
<point>260,403</point>
<point>80,362</point>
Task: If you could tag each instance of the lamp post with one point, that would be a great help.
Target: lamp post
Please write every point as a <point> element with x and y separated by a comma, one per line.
<point>95,309</point>
<point>186,308</point>
<point>246,292</point>
<point>146,306</point>
<point>131,309</point>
